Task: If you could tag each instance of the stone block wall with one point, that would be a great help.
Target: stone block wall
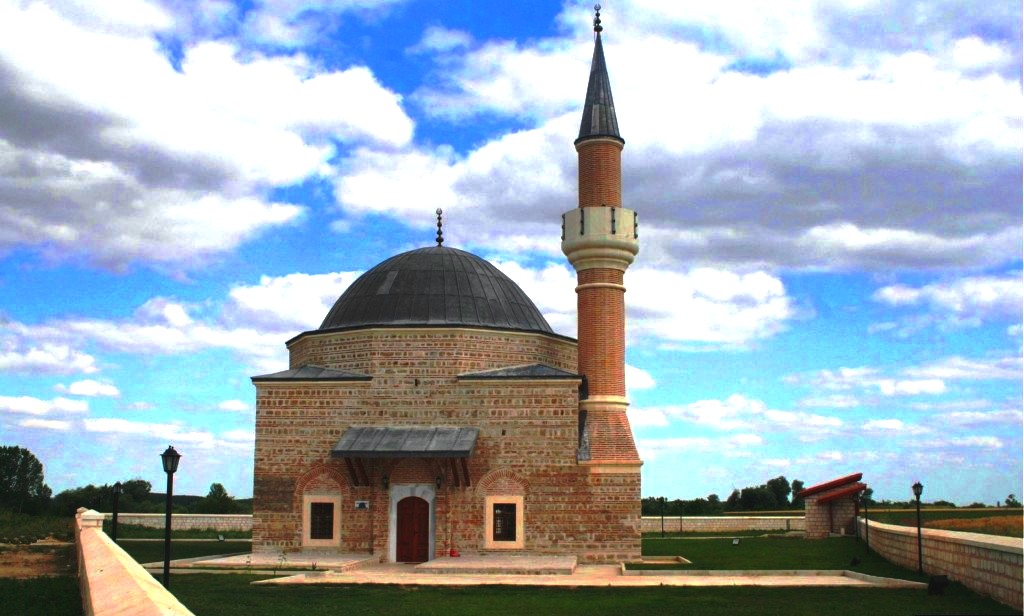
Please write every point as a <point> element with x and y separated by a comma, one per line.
<point>835,517</point>
<point>187,521</point>
<point>987,564</point>
<point>722,524</point>
<point>528,428</point>
<point>110,580</point>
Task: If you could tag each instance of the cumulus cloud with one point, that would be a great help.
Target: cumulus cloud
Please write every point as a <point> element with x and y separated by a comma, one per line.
<point>737,445</point>
<point>28,405</point>
<point>112,153</point>
<point>89,388</point>
<point>292,302</point>
<point>738,412</point>
<point>234,405</point>
<point>175,432</point>
<point>46,424</point>
<point>967,301</point>
<point>833,163</point>
<point>963,368</point>
<point>45,358</point>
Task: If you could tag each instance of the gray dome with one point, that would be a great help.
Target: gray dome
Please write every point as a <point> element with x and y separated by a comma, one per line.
<point>435,286</point>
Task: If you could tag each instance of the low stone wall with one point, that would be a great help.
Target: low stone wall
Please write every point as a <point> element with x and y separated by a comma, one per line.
<point>721,524</point>
<point>186,521</point>
<point>987,564</point>
<point>111,581</point>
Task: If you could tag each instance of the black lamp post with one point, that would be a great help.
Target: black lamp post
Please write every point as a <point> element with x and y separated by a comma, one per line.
<point>113,523</point>
<point>918,488</point>
<point>170,459</point>
<point>662,499</point>
<point>867,523</point>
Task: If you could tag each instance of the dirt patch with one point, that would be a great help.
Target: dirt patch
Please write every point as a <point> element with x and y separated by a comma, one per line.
<point>42,558</point>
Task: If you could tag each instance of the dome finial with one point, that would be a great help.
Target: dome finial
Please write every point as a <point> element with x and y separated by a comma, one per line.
<point>440,234</point>
<point>597,18</point>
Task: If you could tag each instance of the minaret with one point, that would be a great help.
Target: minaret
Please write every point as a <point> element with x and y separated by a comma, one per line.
<point>600,240</point>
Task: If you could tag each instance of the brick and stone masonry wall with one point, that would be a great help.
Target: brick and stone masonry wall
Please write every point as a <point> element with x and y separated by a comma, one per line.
<point>987,564</point>
<point>529,428</point>
<point>187,521</point>
<point>110,580</point>
<point>722,524</point>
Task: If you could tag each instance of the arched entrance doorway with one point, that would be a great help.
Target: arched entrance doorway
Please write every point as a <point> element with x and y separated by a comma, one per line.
<point>413,530</point>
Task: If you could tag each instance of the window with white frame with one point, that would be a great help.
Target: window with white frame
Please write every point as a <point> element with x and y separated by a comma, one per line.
<point>321,520</point>
<point>504,522</point>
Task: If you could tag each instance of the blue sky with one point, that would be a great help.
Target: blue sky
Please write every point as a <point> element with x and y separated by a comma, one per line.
<point>829,192</point>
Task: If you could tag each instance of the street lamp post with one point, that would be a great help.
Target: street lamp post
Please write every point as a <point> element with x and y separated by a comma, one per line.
<point>170,459</point>
<point>867,524</point>
<point>918,489</point>
<point>113,522</point>
<point>662,517</point>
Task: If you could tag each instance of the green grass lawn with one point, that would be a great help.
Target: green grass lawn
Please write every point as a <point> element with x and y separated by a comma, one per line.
<point>43,596</point>
<point>228,595</point>
<point>773,553</point>
<point>153,551</point>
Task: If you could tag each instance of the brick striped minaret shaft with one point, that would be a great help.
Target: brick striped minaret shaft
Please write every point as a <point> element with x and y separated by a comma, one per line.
<point>600,240</point>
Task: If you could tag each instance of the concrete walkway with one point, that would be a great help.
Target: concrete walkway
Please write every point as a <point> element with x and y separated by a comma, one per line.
<point>511,570</point>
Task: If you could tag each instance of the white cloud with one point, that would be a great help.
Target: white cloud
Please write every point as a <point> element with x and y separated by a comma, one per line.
<point>46,424</point>
<point>27,405</point>
<point>776,462</point>
<point>737,445</point>
<point>646,417</point>
<point>295,302</point>
<point>173,432</point>
<point>891,387</point>
<point>45,359</point>
<point>957,368</point>
<point>638,379</point>
<point>90,388</point>
<point>834,401</point>
<point>113,154</point>
<point>893,426</point>
<point>980,442</point>
<point>966,301</point>
<point>979,418</point>
<point>234,405</point>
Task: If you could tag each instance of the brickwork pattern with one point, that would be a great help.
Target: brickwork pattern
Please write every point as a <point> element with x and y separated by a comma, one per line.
<point>989,565</point>
<point>600,175</point>
<point>834,517</point>
<point>528,429</point>
<point>602,332</point>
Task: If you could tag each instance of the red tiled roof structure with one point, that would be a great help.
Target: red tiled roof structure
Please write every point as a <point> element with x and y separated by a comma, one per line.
<point>854,489</point>
<point>829,485</point>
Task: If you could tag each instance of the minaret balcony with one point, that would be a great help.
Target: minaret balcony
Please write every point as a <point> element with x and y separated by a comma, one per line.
<point>600,237</point>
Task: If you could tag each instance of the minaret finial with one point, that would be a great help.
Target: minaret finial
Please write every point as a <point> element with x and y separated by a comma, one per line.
<point>597,18</point>
<point>440,234</point>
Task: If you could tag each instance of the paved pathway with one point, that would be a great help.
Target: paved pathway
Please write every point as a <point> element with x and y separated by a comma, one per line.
<point>521,571</point>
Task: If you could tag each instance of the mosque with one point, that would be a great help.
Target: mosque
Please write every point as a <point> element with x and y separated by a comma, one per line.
<point>435,411</point>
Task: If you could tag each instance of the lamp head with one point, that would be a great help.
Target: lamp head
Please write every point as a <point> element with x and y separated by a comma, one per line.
<point>117,488</point>
<point>918,489</point>
<point>170,459</point>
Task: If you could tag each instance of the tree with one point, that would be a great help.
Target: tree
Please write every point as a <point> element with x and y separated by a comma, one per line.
<point>797,486</point>
<point>1011,501</point>
<point>217,500</point>
<point>779,487</point>
<point>868,493</point>
<point>21,481</point>
<point>733,502</point>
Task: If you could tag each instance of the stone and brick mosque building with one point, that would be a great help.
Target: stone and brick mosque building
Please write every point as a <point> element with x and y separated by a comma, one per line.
<point>436,410</point>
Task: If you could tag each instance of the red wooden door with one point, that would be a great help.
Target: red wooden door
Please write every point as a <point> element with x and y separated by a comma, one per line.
<point>413,528</point>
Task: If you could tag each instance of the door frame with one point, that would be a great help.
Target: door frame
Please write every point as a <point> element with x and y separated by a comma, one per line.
<point>397,493</point>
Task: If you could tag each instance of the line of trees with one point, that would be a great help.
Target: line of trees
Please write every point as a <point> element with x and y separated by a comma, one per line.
<point>23,490</point>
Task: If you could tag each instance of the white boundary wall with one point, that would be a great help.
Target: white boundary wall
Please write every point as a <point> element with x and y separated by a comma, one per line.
<point>187,521</point>
<point>111,582</point>
<point>987,564</point>
<point>722,524</point>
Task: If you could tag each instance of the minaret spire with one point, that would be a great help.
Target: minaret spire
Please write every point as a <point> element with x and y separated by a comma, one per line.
<point>440,232</point>
<point>600,241</point>
<point>598,108</point>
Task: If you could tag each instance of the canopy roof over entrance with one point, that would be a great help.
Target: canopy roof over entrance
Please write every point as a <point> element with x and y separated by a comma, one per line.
<point>406,442</point>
